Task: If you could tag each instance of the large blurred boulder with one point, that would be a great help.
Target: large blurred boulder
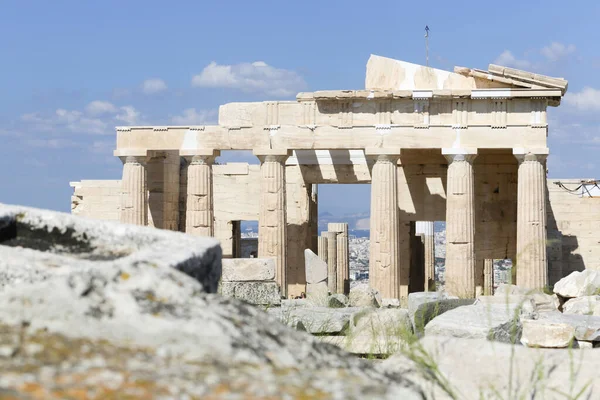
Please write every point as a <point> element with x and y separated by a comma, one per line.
<point>139,322</point>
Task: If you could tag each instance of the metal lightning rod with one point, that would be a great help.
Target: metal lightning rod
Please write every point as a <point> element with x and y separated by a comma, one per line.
<point>427,45</point>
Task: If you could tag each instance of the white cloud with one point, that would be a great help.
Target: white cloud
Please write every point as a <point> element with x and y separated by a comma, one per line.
<point>251,77</point>
<point>99,118</point>
<point>190,116</point>
<point>154,85</point>
<point>99,107</point>
<point>507,59</point>
<point>56,143</point>
<point>129,115</point>
<point>556,51</point>
<point>588,99</point>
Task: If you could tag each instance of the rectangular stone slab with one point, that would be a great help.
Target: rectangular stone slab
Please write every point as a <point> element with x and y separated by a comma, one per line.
<point>248,269</point>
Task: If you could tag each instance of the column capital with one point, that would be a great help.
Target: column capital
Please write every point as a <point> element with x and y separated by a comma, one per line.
<point>459,154</point>
<point>131,155</point>
<point>391,154</point>
<point>539,154</point>
<point>272,155</point>
<point>200,156</point>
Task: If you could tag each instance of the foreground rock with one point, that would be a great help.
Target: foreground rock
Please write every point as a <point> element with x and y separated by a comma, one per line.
<point>494,321</point>
<point>480,369</point>
<point>146,329</point>
<point>578,284</point>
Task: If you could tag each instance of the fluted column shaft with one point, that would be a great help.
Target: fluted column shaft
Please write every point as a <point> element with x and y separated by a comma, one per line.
<point>134,193</point>
<point>332,264</point>
<point>488,277</point>
<point>322,248</point>
<point>199,217</point>
<point>384,266</point>
<point>272,214</point>
<point>531,263</point>
<point>429,249</point>
<point>460,226</point>
<point>343,256</point>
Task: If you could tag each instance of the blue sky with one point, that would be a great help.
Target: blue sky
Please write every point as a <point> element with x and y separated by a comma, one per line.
<point>72,70</point>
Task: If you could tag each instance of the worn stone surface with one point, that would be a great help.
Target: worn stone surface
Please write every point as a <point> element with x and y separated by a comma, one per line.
<point>498,322</point>
<point>381,322</point>
<point>428,311</point>
<point>581,305</point>
<point>543,302</point>
<point>474,369</point>
<point>417,298</point>
<point>248,269</point>
<point>364,296</point>
<point>338,301</point>
<point>315,319</point>
<point>587,327</point>
<point>367,345</point>
<point>525,305</point>
<point>259,293</point>
<point>315,267</point>
<point>578,284</point>
<point>395,303</point>
<point>545,333</point>
<point>317,294</point>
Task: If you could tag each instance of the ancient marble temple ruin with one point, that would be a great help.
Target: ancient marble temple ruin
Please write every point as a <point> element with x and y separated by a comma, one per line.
<point>467,147</point>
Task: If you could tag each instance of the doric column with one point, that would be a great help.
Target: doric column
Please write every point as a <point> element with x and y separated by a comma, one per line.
<point>384,267</point>
<point>531,263</point>
<point>488,277</point>
<point>272,214</point>
<point>343,256</point>
<point>322,248</point>
<point>332,265</point>
<point>425,229</point>
<point>460,223</point>
<point>134,193</point>
<point>199,217</point>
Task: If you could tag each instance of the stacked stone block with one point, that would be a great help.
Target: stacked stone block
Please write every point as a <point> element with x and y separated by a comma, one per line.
<point>251,280</point>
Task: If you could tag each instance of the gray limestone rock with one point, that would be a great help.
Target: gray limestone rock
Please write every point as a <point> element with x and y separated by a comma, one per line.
<point>581,305</point>
<point>381,322</point>
<point>317,320</point>
<point>337,300</point>
<point>548,334</point>
<point>587,327</point>
<point>474,369</point>
<point>248,269</point>
<point>417,298</point>
<point>578,284</point>
<point>258,293</point>
<point>316,269</point>
<point>317,294</point>
<point>425,312</point>
<point>499,322</point>
<point>364,296</point>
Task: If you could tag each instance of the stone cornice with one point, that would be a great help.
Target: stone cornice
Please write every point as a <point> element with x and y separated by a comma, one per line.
<point>335,95</point>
